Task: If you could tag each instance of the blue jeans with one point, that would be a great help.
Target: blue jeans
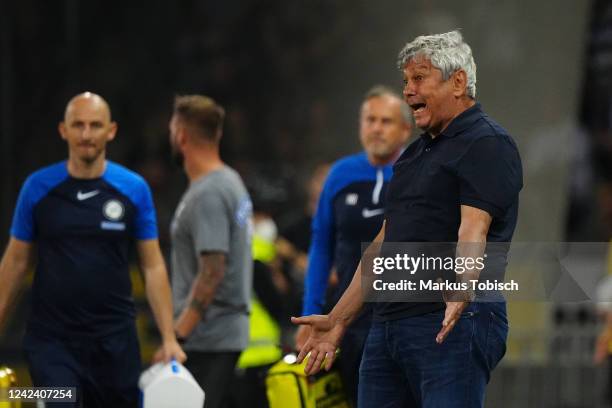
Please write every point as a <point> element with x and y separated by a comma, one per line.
<point>403,366</point>
<point>351,350</point>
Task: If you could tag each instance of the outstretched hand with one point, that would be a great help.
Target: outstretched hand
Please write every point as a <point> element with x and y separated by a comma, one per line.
<point>322,342</point>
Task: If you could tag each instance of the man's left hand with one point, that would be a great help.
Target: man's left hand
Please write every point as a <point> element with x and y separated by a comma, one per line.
<point>168,350</point>
<point>451,317</point>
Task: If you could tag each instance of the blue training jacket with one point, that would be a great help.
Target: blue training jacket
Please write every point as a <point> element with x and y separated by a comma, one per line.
<point>350,211</point>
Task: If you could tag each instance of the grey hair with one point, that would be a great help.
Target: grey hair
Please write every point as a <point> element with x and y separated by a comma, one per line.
<point>381,90</point>
<point>447,52</point>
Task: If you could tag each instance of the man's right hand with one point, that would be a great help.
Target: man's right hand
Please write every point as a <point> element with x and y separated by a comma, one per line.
<point>322,342</point>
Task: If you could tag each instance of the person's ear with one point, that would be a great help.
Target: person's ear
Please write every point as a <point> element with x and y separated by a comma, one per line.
<point>113,131</point>
<point>181,136</point>
<point>459,83</point>
<point>61,127</point>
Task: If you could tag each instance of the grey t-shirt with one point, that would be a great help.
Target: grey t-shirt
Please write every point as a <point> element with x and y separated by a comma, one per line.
<point>215,215</point>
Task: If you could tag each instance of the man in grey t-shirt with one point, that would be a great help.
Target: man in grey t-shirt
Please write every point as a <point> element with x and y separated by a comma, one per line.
<point>211,250</point>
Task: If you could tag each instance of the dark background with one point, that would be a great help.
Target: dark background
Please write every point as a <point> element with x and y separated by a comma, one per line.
<point>291,75</point>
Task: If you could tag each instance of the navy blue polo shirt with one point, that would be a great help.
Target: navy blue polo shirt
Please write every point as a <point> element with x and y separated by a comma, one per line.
<point>83,230</point>
<point>473,162</point>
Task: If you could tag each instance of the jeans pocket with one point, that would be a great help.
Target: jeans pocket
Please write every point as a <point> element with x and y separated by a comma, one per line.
<point>497,335</point>
<point>501,318</point>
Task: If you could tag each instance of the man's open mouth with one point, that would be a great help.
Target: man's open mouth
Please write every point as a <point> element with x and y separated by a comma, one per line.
<point>416,107</point>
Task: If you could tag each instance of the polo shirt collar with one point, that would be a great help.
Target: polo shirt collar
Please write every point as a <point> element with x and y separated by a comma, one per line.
<point>463,121</point>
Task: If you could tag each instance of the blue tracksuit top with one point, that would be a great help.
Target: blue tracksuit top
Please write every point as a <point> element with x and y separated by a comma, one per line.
<point>350,211</point>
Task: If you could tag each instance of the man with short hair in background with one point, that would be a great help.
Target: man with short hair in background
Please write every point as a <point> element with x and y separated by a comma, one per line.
<point>211,249</point>
<point>350,211</point>
<point>78,218</point>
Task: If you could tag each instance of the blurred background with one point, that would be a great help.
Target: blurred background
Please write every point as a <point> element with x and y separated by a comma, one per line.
<point>291,75</point>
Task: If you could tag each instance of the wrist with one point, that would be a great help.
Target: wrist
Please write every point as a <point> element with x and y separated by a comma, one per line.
<point>197,306</point>
<point>179,338</point>
<point>339,320</point>
<point>180,333</point>
<point>169,337</point>
<point>465,296</point>
<point>186,322</point>
<point>468,296</point>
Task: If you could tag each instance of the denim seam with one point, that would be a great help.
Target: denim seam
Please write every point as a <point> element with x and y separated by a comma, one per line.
<point>493,319</point>
<point>487,341</point>
<point>471,360</point>
<point>390,342</point>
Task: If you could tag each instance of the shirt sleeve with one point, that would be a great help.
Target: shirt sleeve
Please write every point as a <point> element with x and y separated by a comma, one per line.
<point>490,175</point>
<point>320,254</point>
<point>22,226</point>
<point>146,220</point>
<point>210,224</point>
